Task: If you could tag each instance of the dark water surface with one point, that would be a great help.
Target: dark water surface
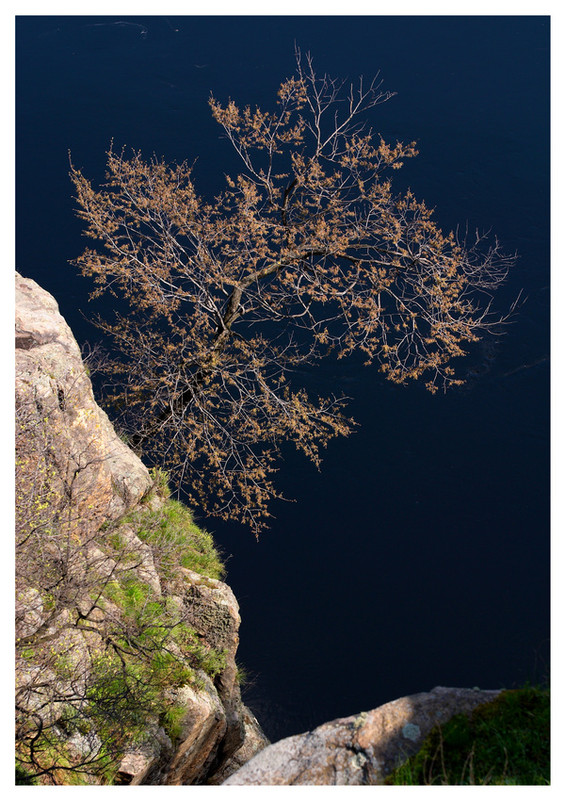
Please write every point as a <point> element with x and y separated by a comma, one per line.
<point>420,554</point>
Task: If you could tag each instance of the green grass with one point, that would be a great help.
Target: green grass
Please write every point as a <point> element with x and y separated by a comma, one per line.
<point>176,540</point>
<point>241,675</point>
<point>505,742</point>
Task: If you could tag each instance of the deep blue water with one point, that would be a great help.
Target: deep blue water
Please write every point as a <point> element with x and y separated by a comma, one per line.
<point>420,554</point>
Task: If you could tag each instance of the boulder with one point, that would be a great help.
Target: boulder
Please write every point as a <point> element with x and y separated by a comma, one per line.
<point>360,750</point>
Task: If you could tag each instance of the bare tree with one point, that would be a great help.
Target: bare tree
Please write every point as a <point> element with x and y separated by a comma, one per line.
<point>100,647</point>
<point>307,252</point>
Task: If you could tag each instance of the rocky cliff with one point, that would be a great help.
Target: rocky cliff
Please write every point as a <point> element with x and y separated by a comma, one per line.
<point>126,636</point>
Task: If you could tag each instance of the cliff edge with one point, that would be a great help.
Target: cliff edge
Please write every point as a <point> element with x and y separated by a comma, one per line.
<point>126,635</point>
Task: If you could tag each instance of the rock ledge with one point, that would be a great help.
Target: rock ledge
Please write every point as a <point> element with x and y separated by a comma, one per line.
<point>360,750</point>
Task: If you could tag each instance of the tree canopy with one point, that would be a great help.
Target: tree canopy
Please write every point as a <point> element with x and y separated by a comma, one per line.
<point>307,251</point>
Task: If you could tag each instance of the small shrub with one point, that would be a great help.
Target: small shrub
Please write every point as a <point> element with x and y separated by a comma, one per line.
<point>241,675</point>
<point>160,487</point>
<point>139,650</point>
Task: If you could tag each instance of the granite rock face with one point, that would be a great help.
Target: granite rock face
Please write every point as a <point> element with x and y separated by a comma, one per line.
<point>71,432</point>
<point>74,470</point>
<point>360,750</point>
